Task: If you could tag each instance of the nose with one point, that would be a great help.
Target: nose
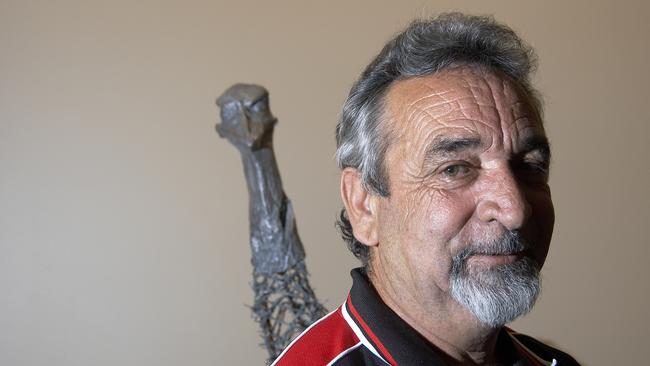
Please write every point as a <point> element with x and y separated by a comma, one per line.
<point>503,200</point>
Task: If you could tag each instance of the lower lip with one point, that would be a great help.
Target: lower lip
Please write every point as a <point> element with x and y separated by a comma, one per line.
<point>494,260</point>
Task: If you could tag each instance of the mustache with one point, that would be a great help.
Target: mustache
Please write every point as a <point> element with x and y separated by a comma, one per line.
<point>511,242</point>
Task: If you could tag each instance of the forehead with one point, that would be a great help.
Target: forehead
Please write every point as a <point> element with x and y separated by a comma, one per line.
<point>466,100</point>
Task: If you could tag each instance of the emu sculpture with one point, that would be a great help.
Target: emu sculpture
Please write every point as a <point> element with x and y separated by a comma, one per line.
<point>284,303</point>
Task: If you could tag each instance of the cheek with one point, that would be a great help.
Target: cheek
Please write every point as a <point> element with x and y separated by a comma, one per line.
<point>437,217</point>
<point>544,220</point>
<point>450,211</point>
<point>443,225</point>
<point>418,232</point>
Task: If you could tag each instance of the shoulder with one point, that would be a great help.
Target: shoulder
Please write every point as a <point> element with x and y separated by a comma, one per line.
<point>545,351</point>
<point>325,342</point>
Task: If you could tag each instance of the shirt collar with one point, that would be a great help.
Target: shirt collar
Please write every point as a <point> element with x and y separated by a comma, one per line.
<point>399,344</point>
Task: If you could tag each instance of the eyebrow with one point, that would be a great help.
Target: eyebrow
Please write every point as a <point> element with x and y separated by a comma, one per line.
<point>537,143</point>
<point>443,146</point>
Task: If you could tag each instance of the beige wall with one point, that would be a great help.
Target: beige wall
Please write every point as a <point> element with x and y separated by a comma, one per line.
<point>123,222</point>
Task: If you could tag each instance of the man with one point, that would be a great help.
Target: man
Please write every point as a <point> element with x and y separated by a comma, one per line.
<point>444,180</point>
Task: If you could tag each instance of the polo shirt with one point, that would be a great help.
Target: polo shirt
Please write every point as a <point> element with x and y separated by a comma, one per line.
<point>365,331</point>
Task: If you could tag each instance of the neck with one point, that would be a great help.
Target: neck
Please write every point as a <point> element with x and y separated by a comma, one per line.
<point>444,323</point>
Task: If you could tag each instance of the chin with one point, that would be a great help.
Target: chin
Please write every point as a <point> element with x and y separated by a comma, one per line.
<point>500,293</point>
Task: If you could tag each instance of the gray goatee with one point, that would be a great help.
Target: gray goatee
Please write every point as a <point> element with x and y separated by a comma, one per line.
<point>498,294</point>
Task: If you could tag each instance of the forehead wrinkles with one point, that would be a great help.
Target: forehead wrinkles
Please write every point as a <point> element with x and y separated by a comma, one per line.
<point>447,100</point>
<point>515,117</point>
<point>466,99</point>
<point>519,118</point>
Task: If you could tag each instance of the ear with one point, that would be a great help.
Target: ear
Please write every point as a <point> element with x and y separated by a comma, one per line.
<point>361,207</point>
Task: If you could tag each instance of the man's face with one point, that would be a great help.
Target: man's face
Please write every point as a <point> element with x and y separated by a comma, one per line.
<point>468,171</point>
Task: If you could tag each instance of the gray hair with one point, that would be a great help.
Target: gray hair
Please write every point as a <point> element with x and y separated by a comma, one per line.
<point>425,47</point>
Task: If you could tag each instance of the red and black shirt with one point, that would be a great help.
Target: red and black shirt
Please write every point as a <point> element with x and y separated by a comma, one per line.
<point>365,331</point>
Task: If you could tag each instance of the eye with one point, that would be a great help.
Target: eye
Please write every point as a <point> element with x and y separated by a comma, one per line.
<point>456,170</point>
<point>532,171</point>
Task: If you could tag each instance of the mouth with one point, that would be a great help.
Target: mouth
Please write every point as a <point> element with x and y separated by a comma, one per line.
<point>509,249</point>
<point>495,259</point>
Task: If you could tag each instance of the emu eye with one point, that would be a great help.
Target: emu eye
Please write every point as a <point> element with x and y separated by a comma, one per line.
<point>260,106</point>
<point>229,111</point>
